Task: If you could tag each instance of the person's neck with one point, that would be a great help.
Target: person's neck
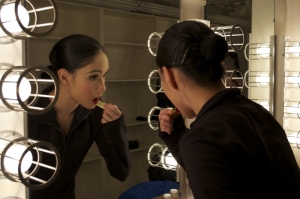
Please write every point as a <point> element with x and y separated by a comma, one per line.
<point>202,95</point>
<point>65,105</point>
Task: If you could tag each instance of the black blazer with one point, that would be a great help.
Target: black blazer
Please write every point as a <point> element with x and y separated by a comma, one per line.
<point>86,128</point>
<point>235,149</point>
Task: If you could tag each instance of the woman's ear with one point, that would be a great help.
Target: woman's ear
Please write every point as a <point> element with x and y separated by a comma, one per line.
<point>170,76</point>
<point>64,76</point>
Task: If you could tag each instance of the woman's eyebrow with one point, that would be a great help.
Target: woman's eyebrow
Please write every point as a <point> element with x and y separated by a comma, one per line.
<point>94,71</point>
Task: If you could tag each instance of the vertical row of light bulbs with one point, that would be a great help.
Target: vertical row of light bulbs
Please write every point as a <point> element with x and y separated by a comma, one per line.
<point>20,88</point>
<point>158,154</point>
<point>265,79</point>
<point>235,38</point>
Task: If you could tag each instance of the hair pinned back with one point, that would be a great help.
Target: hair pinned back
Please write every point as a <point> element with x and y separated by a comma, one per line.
<point>74,52</point>
<point>195,50</point>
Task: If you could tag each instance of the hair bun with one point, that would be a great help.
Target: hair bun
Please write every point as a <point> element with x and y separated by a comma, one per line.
<point>214,48</point>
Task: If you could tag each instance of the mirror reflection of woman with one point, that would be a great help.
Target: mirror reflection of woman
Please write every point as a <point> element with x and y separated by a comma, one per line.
<point>75,122</point>
<point>234,148</point>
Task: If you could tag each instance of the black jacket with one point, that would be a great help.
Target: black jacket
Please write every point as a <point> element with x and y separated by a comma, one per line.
<point>235,149</point>
<point>86,128</point>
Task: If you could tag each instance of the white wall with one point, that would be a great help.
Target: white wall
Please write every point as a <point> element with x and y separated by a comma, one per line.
<point>261,31</point>
<point>289,10</point>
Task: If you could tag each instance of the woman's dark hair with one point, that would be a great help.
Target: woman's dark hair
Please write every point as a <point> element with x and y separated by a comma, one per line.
<point>74,52</point>
<point>195,50</point>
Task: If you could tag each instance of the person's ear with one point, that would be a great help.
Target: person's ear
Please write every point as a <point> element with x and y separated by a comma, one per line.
<point>170,75</point>
<point>63,76</point>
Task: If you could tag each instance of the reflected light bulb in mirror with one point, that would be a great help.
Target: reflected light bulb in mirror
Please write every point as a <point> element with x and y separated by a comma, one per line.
<point>9,20</point>
<point>293,138</point>
<point>170,161</point>
<point>9,89</point>
<point>13,156</point>
<point>292,109</point>
<point>263,79</point>
<point>295,50</point>
<point>294,79</point>
<point>263,51</point>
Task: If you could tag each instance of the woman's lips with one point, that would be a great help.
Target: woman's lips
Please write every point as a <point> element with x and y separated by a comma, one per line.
<point>95,101</point>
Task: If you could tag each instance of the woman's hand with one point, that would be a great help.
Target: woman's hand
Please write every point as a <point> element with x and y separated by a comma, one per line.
<point>110,113</point>
<point>165,120</point>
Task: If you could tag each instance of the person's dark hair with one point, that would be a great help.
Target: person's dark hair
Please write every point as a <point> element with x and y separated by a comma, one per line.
<point>74,52</point>
<point>195,50</point>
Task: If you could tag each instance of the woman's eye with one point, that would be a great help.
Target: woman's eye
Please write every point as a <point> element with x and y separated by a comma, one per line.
<point>94,77</point>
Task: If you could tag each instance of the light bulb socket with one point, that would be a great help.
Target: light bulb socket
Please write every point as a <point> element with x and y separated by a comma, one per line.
<point>30,30</point>
<point>28,177</point>
<point>30,73</point>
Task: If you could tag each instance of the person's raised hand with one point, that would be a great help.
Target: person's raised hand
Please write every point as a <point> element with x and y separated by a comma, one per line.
<point>111,113</point>
<point>165,120</point>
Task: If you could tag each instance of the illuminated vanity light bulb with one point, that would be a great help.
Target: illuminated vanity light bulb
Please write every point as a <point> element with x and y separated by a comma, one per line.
<point>265,105</point>
<point>9,89</point>
<point>263,79</point>
<point>9,20</point>
<point>170,161</point>
<point>292,80</point>
<point>293,138</point>
<point>292,110</point>
<point>12,159</point>
<point>263,51</point>
<point>295,50</point>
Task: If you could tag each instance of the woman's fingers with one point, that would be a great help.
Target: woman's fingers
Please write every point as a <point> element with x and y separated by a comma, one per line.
<point>166,122</point>
<point>110,113</point>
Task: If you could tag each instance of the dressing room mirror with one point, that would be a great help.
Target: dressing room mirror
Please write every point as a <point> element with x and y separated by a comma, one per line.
<point>123,27</point>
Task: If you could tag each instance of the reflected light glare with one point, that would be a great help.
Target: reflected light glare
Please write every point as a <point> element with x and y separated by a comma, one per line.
<point>293,138</point>
<point>9,89</point>
<point>8,18</point>
<point>263,79</point>
<point>292,109</point>
<point>295,50</point>
<point>170,161</point>
<point>265,105</point>
<point>293,79</point>
<point>13,156</point>
<point>263,51</point>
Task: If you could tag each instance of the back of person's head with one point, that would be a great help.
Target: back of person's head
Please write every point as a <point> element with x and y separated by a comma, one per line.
<point>74,52</point>
<point>195,50</point>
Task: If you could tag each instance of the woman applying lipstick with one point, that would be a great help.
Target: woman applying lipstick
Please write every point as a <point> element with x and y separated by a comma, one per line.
<point>76,121</point>
<point>234,148</point>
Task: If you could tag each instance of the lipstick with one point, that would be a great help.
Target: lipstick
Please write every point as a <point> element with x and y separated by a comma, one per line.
<point>101,104</point>
<point>175,113</point>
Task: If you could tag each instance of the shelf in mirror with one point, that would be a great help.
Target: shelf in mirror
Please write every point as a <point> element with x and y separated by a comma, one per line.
<point>134,122</point>
<point>93,157</point>
<point>124,80</point>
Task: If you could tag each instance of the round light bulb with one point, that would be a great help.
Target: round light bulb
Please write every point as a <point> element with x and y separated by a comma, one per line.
<point>295,50</point>
<point>9,20</point>
<point>293,79</point>
<point>263,79</point>
<point>263,51</point>
<point>13,156</point>
<point>294,109</point>
<point>9,89</point>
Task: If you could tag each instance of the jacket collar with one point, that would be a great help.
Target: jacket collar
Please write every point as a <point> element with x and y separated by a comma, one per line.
<point>213,101</point>
<point>50,117</point>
